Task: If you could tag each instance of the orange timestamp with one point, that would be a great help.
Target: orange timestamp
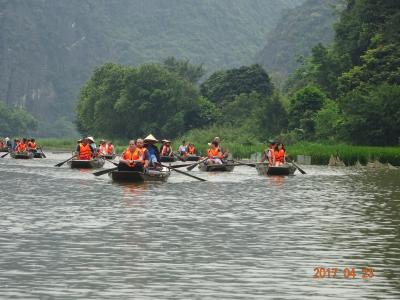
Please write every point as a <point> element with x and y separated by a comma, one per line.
<point>347,273</point>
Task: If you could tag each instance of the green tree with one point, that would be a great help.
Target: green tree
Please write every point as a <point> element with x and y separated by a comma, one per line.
<point>224,86</point>
<point>130,102</point>
<point>328,121</point>
<point>372,115</point>
<point>16,121</point>
<point>185,69</point>
<point>304,105</point>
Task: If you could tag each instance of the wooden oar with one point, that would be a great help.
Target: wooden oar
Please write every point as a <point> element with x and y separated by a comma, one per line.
<point>41,150</point>
<point>5,154</point>
<point>240,163</point>
<point>300,169</point>
<point>99,173</point>
<point>195,164</point>
<point>180,166</point>
<point>63,162</point>
<point>184,173</point>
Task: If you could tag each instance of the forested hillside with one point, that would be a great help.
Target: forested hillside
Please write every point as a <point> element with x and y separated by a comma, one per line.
<point>49,48</point>
<point>298,30</point>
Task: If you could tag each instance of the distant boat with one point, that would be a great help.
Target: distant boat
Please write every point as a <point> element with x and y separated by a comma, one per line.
<point>22,155</point>
<point>167,158</point>
<point>86,164</point>
<point>225,167</point>
<point>283,170</point>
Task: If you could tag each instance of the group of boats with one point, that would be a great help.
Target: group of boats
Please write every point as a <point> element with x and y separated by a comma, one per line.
<point>162,174</point>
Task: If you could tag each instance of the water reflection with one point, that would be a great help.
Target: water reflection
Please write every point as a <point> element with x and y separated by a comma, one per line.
<point>67,234</point>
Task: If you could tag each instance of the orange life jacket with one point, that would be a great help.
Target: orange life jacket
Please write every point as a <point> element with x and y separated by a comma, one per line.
<point>110,149</point>
<point>32,145</point>
<point>135,155</point>
<point>21,147</point>
<point>280,156</point>
<point>191,150</point>
<point>85,152</point>
<point>214,153</point>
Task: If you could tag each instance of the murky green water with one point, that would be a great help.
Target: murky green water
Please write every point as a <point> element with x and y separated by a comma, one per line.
<point>66,234</point>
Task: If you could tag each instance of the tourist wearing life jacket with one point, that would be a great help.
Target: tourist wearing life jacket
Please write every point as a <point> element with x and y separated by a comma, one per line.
<point>182,150</point>
<point>214,154</point>
<point>103,148</point>
<point>133,158</point>
<point>279,154</point>
<point>2,144</point>
<point>32,145</point>
<point>191,149</point>
<point>110,148</point>
<point>166,149</point>
<point>153,152</point>
<point>84,150</point>
<point>22,147</point>
<point>269,154</point>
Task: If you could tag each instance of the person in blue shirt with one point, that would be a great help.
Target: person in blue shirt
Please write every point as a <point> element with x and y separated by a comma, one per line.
<point>154,153</point>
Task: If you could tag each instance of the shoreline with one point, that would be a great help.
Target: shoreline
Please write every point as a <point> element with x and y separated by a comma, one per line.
<point>320,153</point>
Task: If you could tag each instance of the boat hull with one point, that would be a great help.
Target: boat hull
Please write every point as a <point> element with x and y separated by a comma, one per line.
<point>37,154</point>
<point>23,155</point>
<point>190,158</point>
<point>108,156</point>
<point>284,170</point>
<point>226,167</point>
<point>86,164</point>
<point>167,159</point>
<point>3,149</point>
<point>134,176</point>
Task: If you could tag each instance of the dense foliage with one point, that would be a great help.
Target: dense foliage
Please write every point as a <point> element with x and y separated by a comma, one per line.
<point>359,75</point>
<point>15,121</point>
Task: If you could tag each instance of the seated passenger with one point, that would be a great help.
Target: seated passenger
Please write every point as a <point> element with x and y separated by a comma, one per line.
<point>279,154</point>
<point>133,158</point>
<point>214,154</point>
<point>84,150</point>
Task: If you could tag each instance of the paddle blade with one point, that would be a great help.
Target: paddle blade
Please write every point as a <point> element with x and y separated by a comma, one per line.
<point>63,162</point>
<point>102,172</point>
<point>5,154</point>
<point>195,164</point>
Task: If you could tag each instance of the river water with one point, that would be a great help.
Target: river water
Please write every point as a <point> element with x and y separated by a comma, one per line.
<point>65,234</point>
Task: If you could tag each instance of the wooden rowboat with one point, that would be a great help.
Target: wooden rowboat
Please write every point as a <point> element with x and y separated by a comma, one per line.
<point>190,158</point>
<point>22,155</point>
<point>167,158</point>
<point>37,154</point>
<point>225,167</point>
<point>86,164</point>
<point>134,176</point>
<point>284,170</point>
<point>108,156</point>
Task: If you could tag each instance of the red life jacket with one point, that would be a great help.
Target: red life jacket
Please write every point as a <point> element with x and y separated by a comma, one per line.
<point>21,147</point>
<point>110,149</point>
<point>191,150</point>
<point>85,152</point>
<point>211,153</point>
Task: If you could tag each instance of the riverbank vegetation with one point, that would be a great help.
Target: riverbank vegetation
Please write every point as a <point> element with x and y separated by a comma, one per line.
<point>347,92</point>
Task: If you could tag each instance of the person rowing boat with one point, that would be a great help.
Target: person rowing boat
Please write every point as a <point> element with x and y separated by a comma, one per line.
<point>153,152</point>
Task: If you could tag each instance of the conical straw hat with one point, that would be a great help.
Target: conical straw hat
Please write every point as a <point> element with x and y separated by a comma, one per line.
<point>150,138</point>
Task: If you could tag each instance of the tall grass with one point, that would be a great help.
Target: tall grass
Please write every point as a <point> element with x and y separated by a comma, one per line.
<point>320,153</point>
